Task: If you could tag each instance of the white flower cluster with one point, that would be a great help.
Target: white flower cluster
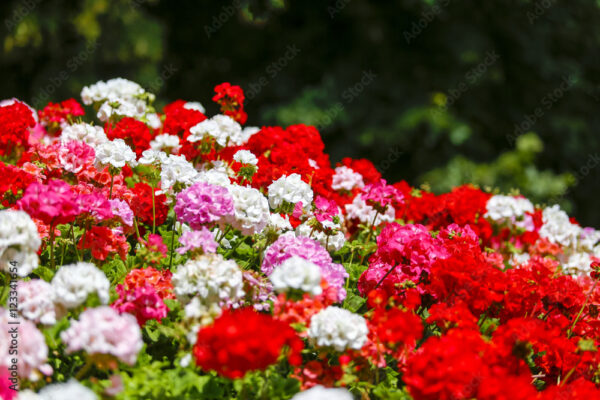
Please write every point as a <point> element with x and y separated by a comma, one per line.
<point>211,278</point>
<point>338,328</point>
<point>322,393</point>
<point>216,173</point>
<point>71,390</point>
<point>290,189</point>
<point>296,273</point>
<point>72,284</point>
<point>224,129</point>
<point>82,132</point>
<point>102,330</point>
<point>152,156</point>
<point>176,169</point>
<point>117,97</point>
<point>363,212</point>
<point>557,228</point>
<point>115,153</point>
<point>579,244</point>
<point>165,142</point>
<point>503,209</point>
<point>36,301</point>
<point>19,242</point>
<point>251,210</point>
<point>575,263</point>
<point>245,157</point>
<point>588,240</point>
<point>346,179</point>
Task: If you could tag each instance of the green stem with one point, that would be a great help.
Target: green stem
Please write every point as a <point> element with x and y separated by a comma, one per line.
<point>224,233</point>
<point>350,264</point>
<point>172,243</point>
<point>63,247</point>
<point>137,230</point>
<point>74,241</point>
<point>362,258</point>
<point>112,181</point>
<point>570,331</point>
<point>82,241</point>
<point>372,226</point>
<point>234,248</point>
<point>5,286</point>
<point>52,237</point>
<point>86,367</point>
<point>153,213</point>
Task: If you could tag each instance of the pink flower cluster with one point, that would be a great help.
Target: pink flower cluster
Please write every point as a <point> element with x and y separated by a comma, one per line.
<point>102,330</point>
<point>203,203</point>
<point>75,156</point>
<point>96,206</point>
<point>408,251</point>
<point>325,209</point>
<point>143,302</point>
<point>380,195</point>
<point>54,203</point>
<point>201,239</point>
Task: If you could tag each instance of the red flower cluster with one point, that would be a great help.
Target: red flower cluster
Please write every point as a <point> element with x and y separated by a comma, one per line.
<point>141,204</point>
<point>14,182</point>
<point>318,372</point>
<point>459,365</point>
<point>103,241</point>
<point>395,331</point>
<point>231,99</point>
<point>244,340</point>
<point>15,122</point>
<point>295,150</point>
<point>159,280</point>
<point>56,113</point>
<point>179,119</point>
<point>135,133</point>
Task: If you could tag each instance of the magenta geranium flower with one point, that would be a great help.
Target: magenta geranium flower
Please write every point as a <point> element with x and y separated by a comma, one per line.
<point>53,203</point>
<point>203,203</point>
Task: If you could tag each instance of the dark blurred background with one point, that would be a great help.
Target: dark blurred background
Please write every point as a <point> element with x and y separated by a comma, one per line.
<point>501,93</point>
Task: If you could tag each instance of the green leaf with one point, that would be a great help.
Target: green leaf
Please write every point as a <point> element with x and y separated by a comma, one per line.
<point>587,345</point>
<point>353,302</point>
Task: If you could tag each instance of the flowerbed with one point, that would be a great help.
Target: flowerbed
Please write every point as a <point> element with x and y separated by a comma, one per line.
<point>176,256</point>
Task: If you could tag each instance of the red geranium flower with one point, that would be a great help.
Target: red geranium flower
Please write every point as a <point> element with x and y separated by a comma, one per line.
<point>244,340</point>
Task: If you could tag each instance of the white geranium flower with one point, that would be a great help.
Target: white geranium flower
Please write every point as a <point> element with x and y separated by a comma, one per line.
<point>245,157</point>
<point>82,132</point>
<point>115,153</point>
<point>290,189</point>
<point>224,129</point>
<point>19,242</point>
<point>296,273</point>
<point>338,328</point>
<point>251,210</point>
<point>73,284</point>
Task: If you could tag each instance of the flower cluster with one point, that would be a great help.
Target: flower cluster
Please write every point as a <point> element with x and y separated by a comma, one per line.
<point>102,331</point>
<point>246,341</point>
<point>203,203</point>
<point>137,242</point>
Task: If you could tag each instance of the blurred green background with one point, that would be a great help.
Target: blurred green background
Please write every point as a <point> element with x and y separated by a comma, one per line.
<point>501,93</point>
